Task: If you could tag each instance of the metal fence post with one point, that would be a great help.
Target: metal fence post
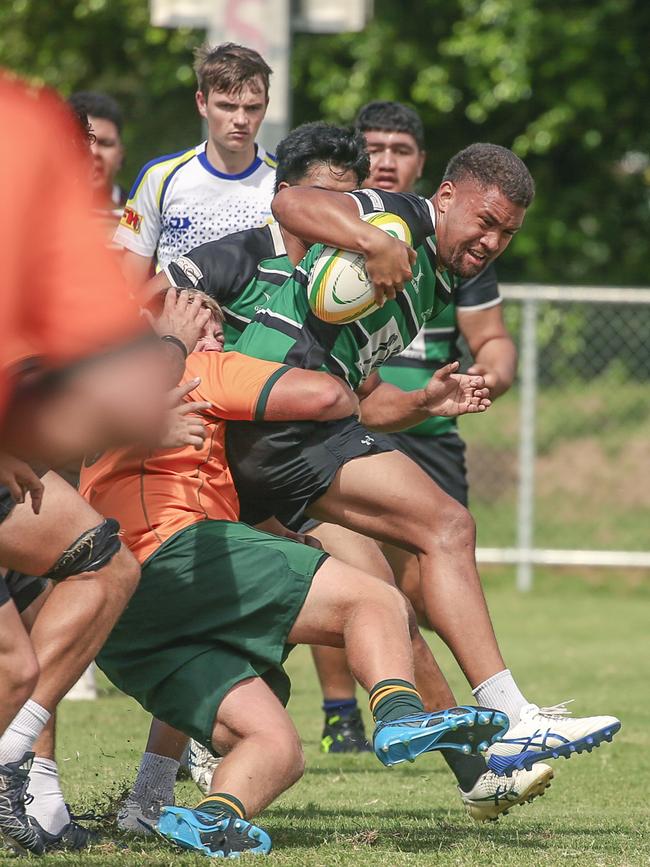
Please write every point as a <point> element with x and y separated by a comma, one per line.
<point>527,422</point>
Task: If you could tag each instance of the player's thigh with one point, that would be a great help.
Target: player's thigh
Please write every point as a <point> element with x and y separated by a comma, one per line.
<point>336,590</point>
<point>353,548</point>
<point>33,543</point>
<point>388,497</point>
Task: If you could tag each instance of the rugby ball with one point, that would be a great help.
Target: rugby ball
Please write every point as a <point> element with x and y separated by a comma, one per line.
<point>339,290</point>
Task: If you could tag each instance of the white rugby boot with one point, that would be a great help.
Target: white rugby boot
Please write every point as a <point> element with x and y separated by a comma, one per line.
<point>548,733</point>
<point>493,795</point>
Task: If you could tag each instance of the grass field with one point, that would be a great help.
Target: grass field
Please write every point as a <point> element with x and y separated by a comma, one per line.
<point>563,640</point>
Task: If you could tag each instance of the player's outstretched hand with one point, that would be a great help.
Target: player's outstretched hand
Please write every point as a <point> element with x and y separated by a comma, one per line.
<point>180,317</point>
<point>450,394</point>
<point>21,480</point>
<point>182,427</point>
<point>388,265</point>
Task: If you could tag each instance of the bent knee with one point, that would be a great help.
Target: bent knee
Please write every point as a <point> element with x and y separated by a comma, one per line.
<point>455,527</point>
<point>20,677</point>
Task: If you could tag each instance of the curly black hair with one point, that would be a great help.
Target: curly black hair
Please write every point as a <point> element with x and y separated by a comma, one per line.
<point>493,166</point>
<point>321,142</point>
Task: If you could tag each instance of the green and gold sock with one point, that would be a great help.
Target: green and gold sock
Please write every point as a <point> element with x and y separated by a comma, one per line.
<point>392,699</point>
<point>222,802</point>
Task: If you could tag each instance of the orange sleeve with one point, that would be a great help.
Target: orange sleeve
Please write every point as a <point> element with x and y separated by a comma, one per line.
<point>64,297</point>
<point>236,385</point>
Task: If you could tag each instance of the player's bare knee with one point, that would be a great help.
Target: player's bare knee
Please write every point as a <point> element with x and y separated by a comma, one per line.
<point>123,574</point>
<point>20,678</point>
<point>455,529</point>
<point>295,762</point>
<point>393,599</point>
<point>287,750</point>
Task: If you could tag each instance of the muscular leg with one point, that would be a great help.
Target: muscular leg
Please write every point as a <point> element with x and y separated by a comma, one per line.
<point>80,611</point>
<point>18,665</point>
<point>331,664</point>
<point>263,755</point>
<point>386,496</point>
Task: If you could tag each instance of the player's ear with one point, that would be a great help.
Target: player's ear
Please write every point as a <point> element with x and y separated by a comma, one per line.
<point>445,195</point>
<point>421,161</point>
<point>201,103</point>
<point>282,186</point>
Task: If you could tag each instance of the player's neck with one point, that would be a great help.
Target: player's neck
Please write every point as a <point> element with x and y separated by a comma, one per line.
<point>295,248</point>
<point>229,162</point>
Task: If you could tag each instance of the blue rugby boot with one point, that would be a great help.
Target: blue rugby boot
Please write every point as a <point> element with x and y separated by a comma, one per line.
<point>217,836</point>
<point>548,733</point>
<point>470,730</point>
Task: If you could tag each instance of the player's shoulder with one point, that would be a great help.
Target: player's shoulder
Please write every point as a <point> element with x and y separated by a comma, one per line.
<point>160,167</point>
<point>479,292</point>
<point>267,159</point>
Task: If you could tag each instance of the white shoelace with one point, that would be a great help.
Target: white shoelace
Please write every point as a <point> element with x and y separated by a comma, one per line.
<point>556,710</point>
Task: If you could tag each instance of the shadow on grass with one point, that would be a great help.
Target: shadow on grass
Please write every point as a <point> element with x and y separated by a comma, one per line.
<point>409,830</point>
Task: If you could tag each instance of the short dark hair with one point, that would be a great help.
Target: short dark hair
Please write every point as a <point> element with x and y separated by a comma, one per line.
<point>321,142</point>
<point>391,117</point>
<point>491,165</point>
<point>229,67</point>
<point>98,104</point>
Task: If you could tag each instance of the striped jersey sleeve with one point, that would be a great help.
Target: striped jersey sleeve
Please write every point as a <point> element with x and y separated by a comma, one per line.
<point>479,292</point>
<point>416,211</point>
<point>140,226</point>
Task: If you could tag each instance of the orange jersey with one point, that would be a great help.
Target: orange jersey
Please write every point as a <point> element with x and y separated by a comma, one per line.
<point>154,494</point>
<point>63,296</point>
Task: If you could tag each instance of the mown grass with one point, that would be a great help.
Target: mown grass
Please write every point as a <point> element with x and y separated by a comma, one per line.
<point>563,640</point>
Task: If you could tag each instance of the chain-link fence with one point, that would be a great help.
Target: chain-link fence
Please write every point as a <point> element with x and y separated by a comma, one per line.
<point>560,467</point>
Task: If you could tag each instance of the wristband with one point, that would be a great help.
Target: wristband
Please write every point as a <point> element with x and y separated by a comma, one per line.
<point>171,338</point>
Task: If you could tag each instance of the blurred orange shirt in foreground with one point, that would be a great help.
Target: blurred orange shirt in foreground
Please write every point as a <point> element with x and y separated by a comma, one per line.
<point>63,296</point>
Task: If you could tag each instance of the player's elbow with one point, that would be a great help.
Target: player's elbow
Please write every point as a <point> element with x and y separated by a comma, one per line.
<point>332,399</point>
<point>286,207</point>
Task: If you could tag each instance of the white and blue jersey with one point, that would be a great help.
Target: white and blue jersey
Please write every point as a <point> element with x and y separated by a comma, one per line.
<point>180,200</point>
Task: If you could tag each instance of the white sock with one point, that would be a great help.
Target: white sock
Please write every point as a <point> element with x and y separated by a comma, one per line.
<point>155,781</point>
<point>502,693</point>
<point>48,806</point>
<point>19,738</point>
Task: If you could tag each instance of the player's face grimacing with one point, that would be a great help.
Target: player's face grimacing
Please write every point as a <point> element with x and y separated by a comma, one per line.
<point>234,117</point>
<point>475,225</point>
<point>213,339</point>
<point>396,161</point>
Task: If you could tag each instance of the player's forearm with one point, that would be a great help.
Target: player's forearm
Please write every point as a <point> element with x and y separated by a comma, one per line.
<point>322,216</point>
<point>498,357</point>
<point>388,408</point>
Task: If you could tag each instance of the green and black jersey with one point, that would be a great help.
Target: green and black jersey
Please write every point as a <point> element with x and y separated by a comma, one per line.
<point>287,330</point>
<point>437,345</point>
<point>241,271</point>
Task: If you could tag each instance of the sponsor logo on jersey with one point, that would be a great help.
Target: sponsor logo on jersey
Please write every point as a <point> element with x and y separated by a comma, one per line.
<point>418,273</point>
<point>367,440</point>
<point>132,220</point>
<point>179,224</point>
<point>190,269</point>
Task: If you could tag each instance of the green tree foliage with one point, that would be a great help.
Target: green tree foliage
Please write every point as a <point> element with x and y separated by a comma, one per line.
<point>109,45</point>
<point>565,84</point>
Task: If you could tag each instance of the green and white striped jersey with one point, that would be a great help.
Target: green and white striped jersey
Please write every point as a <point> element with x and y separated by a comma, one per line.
<point>241,271</point>
<point>287,330</point>
<point>437,345</point>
